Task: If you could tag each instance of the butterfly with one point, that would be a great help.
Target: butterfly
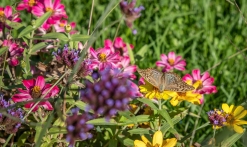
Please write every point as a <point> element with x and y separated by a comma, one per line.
<point>164,81</point>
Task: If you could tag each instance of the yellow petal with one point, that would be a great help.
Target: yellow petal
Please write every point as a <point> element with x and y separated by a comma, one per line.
<point>169,142</point>
<point>241,115</point>
<point>238,129</point>
<point>145,140</point>
<point>138,143</point>
<point>240,122</point>
<point>158,138</point>
<point>231,108</point>
<point>225,107</point>
<point>238,111</point>
<point>174,102</point>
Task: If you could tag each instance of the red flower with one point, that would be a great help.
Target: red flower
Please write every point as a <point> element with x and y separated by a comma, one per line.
<point>36,88</point>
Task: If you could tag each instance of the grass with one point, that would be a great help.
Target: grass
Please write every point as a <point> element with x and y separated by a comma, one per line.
<point>204,32</point>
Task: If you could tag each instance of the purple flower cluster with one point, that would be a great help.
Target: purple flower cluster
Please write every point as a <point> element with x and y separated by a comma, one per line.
<point>130,12</point>
<point>69,57</point>
<point>10,124</point>
<point>109,95</point>
<point>66,56</point>
<point>217,117</point>
<point>77,127</point>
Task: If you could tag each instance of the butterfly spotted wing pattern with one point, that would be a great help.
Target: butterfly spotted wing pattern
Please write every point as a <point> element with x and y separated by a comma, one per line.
<point>164,81</point>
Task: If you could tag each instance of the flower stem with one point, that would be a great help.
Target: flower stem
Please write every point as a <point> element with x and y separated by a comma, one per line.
<point>160,107</point>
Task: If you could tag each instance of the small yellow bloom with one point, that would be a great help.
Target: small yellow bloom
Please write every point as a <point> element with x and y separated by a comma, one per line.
<point>157,141</point>
<point>152,92</point>
<point>235,113</point>
<point>186,96</point>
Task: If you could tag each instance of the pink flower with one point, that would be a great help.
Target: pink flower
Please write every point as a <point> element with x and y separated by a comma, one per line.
<point>170,62</point>
<point>59,26</point>
<point>36,88</point>
<point>55,7</point>
<point>14,52</point>
<point>118,45</point>
<point>6,13</point>
<point>103,58</point>
<point>26,4</point>
<point>203,82</point>
<point>127,69</point>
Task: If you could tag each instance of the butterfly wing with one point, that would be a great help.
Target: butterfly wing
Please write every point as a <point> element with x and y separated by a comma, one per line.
<point>173,82</point>
<point>153,76</point>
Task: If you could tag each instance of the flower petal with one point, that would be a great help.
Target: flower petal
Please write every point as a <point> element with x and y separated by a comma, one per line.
<point>169,142</point>
<point>225,107</point>
<point>138,143</point>
<point>20,97</point>
<point>158,138</point>
<point>47,105</point>
<point>238,111</point>
<point>40,81</point>
<point>28,83</point>
<point>238,129</point>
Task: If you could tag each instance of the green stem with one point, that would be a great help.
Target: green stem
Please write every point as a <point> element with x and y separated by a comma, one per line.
<point>7,141</point>
<point>160,107</point>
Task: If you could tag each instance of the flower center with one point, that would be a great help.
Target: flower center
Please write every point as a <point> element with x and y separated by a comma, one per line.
<point>1,13</point>
<point>171,61</point>
<point>49,9</point>
<point>2,16</point>
<point>31,3</point>
<point>61,24</point>
<point>230,119</point>
<point>198,84</point>
<point>36,92</point>
<point>181,94</point>
<point>102,57</point>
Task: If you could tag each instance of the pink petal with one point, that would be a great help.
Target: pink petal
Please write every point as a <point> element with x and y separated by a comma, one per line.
<point>172,56</point>
<point>47,105</point>
<point>20,97</point>
<point>208,81</point>
<point>141,81</point>
<point>196,74</point>
<point>178,58</point>
<point>118,43</point>
<point>179,67</point>
<point>205,76</point>
<point>187,77</point>
<point>8,11</point>
<point>48,4</point>
<point>73,25</point>
<point>93,53</point>
<point>163,58</point>
<point>21,6</point>
<point>38,10</point>
<point>161,63</point>
<point>30,105</point>
<point>40,81</point>
<point>28,83</point>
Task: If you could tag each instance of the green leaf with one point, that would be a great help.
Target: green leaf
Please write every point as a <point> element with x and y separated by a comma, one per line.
<point>3,50</point>
<point>148,102</point>
<point>231,140</point>
<point>38,129</point>
<point>14,25</point>
<point>128,115</point>
<point>37,47</point>
<point>128,142</point>
<point>26,31</point>
<point>113,143</point>
<point>139,131</point>
<point>57,130</point>
<point>60,36</point>
<point>42,19</point>
<point>102,121</point>
<point>166,116</point>
<point>140,54</point>
<point>131,54</point>
<point>22,139</point>
<point>139,119</point>
<point>78,37</point>
<point>82,106</point>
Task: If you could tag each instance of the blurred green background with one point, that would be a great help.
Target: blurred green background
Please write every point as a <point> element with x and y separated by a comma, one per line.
<point>204,32</point>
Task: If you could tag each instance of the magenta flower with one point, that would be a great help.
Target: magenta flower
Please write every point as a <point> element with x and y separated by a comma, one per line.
<point>127,69</point>
<point>203,83</point>
<point>59,26</point>
<point>6,13</point>
<point>36,88</point>
<point>170,62</point>
<point>118,45</point>
<point>103,57</point>
<point>14,52</point>
<point>55,7</point>
<point>26,4</point>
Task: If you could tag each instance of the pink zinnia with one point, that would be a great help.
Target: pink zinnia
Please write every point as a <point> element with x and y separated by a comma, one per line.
<point>26,4</point>
<point>59,26</point>
<point>127,69</point>
<point>118,45</point>
<point>36,88</point>
<point>103,58</point>
<point>203,82</point>
<point>170,62</point>
<point>6,13</point>
<point>14,52</point>
<point>55,7</point>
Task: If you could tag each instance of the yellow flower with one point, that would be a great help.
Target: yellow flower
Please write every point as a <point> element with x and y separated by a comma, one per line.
<point>152,92</point>
<point>235,113</point>
<point>157,141</point>
<point>189,96</point>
